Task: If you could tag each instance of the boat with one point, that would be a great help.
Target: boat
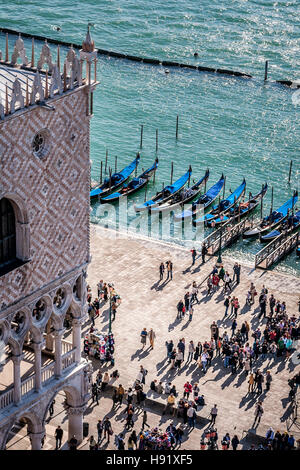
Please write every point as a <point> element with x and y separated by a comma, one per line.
<point>223,206</point>
<point>271,221</point>
<point>115,181</point>
<point>286,227</point>
<point>134,185</point>
<point>183,197</point>
<point>165,194</point>
<point>203,201</point>
<point>240,210</point>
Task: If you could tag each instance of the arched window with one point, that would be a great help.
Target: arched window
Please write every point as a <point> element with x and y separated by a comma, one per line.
<point>7,233</point>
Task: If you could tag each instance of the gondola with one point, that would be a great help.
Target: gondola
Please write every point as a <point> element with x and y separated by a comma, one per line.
<point>240,210</point>
<point>134,185</point>
<point>183,197</point>
<point>203,201</point>
<point>272,221</point>
<point>288,226</point>
<point>115,181</point>
<point>223,206</point>
<point>165,194</point>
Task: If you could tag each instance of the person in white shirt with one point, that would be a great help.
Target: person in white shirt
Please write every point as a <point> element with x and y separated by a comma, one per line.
<point>191,351</point>
<point>168,388</point>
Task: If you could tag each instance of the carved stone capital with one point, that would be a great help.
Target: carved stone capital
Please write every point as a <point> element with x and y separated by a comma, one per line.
<point>76,410</point>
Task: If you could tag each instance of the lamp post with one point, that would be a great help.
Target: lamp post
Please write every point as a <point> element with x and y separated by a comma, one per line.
<point>109,326</point>
<point>219,261</point>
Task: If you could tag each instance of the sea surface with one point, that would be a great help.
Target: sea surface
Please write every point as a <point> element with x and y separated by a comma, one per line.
<point>244,128</point>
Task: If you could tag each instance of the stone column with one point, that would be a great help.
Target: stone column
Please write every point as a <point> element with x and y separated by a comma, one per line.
<point>75,418</point>
<point>17,378</point>
<point>38,365</point>
<point>36,440</point>
<point>57,355</point>
<point>76,325</point>
<point>49,337</point>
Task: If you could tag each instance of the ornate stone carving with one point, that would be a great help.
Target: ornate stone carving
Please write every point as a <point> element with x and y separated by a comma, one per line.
<point>56,83</point>
<point>76,410</point>
<point>75,73</point>
<point>16,96</point>
<point>37,89</point>
<point>71,56</point>
<point>45,58</point>
<point>19,51</point>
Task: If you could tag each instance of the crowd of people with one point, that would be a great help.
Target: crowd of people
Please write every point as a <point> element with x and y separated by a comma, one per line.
<point>237,348</point>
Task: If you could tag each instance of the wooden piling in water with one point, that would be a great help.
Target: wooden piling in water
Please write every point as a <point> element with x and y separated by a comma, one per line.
<point>146,190</point>
<point>156,140</point>
<point>224,187</point>
<point>101,167</point>
<point>266,70</point>
<point>141,140</point>
<point>172,169</point>
<point>177,119</point>
<point>116,163</point>
<point>290,171</point>
<point>261,204</point>
<point>272,193</point>
<point>110,172</point>
<point>106,158</point>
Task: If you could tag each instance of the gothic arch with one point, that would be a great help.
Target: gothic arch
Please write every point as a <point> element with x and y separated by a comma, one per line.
<point>73,396</point>
<point>22,225</point>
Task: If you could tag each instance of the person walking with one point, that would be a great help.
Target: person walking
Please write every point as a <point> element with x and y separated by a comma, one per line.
<point>235,442</point>
<point>191,349</point>
<point>180,307</point>
<point>170,270</point>
<point>152,336</point>
<point>191,414</point>
<point>268,380</point>
<point>144,421</point>
<point>120,394</point>
<point>181,347</point>
<point>58,437</point>
<point>203,252</point>
<point>251,383</point>
<point>214,414</point>
<point>99,430</point>
<point>95,393</point>
<point>107,429</point>
<point>187,389</point>
<point>258,413</point>
<point>233,327</point>
<point>51,408</point>
<point>226,304</point>
<point>194,293</point>
<point>93,443</point>
<point>144,335</point>
<point>194,254</point>
<point>161,271</point>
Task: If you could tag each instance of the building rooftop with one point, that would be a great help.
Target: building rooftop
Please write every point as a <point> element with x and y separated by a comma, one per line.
<point>33,82</point>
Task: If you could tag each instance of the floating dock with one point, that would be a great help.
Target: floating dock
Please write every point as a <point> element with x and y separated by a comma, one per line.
<point>228,234</point>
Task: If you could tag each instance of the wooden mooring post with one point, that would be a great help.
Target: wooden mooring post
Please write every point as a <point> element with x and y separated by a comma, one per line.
<point>172,169</point>
<point>290,171</point>
<point>141,140</point>
<point>116,163</point>
<point>266,70</point>
<point>106,158</point>
<point>156,140</point>
<point>177,121</point>
<point>101,167</point>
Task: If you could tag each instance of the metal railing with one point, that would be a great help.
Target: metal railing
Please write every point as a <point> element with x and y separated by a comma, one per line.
<point>275,250</point>
<point>229,234</point>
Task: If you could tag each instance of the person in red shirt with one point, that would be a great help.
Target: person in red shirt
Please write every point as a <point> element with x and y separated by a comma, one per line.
<point>187,390</point>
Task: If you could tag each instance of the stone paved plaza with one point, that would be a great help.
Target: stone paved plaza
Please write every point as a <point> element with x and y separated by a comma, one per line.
<point>132,265</point>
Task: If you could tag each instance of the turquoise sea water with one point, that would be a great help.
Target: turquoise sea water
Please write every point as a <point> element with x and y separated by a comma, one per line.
<point>242,127</point>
